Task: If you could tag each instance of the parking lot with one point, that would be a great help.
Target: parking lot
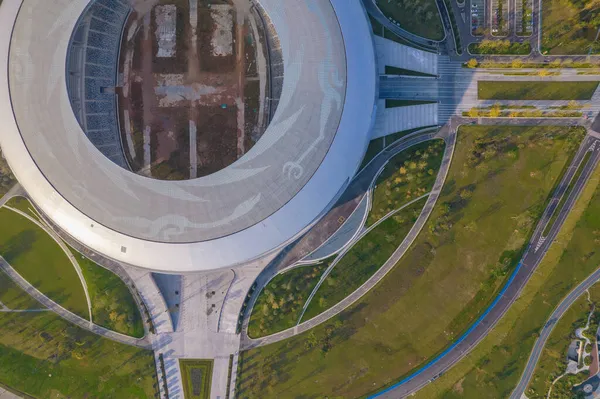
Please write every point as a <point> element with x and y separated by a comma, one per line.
<point>478,22</point>
<point>523,17</point>
<point>499,17</point>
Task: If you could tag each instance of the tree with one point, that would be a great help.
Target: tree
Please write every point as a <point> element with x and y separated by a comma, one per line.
<point>543,72</point>
<point>472,63</point>
<point>473,112</point>
<point>517,63</point>
<point>495,112</point>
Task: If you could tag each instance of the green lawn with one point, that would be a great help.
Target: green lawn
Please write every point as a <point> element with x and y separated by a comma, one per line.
<point>569,26</point>
<point>22,204</point>
<point>452,272</point>
<point>113,306</point>
<point>364,259</point>
<point>529,90</point>
<point>46,357</point>
<point>13,297</point>
<point>419,17</point>
<point>502,47</point>
<point>377,145</point>
<point>197,377</point>
<point>494,367</point>
<point>41,261</point>
<point>280,303</point>
<point>407,176</point>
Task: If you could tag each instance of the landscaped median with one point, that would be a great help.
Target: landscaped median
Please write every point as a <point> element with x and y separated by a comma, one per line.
<point>454,269</point>
<point>44,356</point>
<point>520,113</point>
<point>279,304</point>
<point>501,47</point>
<point>494,367</point>
<point>407,176</point>
<point>535,90</point>
<point>196,377</point>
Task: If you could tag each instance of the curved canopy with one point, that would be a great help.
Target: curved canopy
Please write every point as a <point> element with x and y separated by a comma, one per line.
<point>311,149</point>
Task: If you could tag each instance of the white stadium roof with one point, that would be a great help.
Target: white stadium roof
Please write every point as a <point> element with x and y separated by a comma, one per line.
<point>310,151</point>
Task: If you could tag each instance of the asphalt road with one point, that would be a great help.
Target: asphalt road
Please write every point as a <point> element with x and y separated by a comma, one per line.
<point>532,257</point>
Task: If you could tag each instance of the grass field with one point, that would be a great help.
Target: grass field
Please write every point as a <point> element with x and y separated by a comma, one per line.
<point>407,176</point>
<point>280,303</point>
<point>197,377</point>
<point>503,47</point>
<point>553,361</point>
<point>46,357</point>
<point>377,145</point>
<point>494,367</point>
<point>113,306</point>
<point>364,259</point>
<point>419,17</point>
<point>569,26</point>
<point>495,90</point>
<point>453,270</point>
<point>13,297</point>
<point>41,261</point>
<point>22,204</point>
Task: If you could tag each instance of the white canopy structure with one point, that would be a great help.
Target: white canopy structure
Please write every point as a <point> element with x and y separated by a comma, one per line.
<point>308,154</point>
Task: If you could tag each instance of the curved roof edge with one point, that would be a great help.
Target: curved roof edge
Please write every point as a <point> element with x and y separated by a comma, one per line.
<point>339,166</point>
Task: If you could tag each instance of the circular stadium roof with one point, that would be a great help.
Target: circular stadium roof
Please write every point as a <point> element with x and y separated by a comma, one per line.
<point>310,151</point>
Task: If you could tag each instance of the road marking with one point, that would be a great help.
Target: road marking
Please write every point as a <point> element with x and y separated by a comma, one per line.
<point>541,241</point>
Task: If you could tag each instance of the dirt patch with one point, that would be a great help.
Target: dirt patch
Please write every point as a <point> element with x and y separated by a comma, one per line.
<point>217,138</point>
<point>190,78</point>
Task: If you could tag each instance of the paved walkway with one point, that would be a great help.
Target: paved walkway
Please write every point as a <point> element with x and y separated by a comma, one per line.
<point>4,394</point>
<point>345,234</point>
<point>449,135</point>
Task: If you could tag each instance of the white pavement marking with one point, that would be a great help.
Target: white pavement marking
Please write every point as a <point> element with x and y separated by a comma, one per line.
<point>193,151</point>
<point>147,155</point>
<point>128,133</point>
